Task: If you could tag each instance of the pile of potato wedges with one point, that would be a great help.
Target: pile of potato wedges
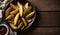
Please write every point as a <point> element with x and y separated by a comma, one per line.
<point>19,16</point>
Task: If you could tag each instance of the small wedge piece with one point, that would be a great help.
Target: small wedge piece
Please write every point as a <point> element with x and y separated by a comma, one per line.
<point>7,11</point>
<point>13,6</point>
<point>27,10</point>
<point>11,21</point>
<point>20,9</point>
<point>22,28</point>
<point>20,25</point>
<point>30,15</point>
<point>14,12</point>
<point>9,17</point>
<point>16,19</point>
<point>30,20</point>
<point>24,21</point>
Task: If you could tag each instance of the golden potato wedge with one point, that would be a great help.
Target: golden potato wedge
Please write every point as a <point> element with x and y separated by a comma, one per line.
<point>9,17</point>
<point>30,15</point>
<point>12,6</point>
<point>14,12</point>
<point>26,5</point>
<point>20,25</point>
<point>7,11</point>
<point>16,19</point>
<point>22,28</point>
<point>24,21</point>
<point>19,21</point>
<point>20,9</point>
<point>13,26</point>
<point>27,10</point>
<point>30,20</point>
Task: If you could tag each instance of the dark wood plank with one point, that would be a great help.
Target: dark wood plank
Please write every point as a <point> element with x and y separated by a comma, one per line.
<point>47,19</point>
<point>46,5</point>
<point>41,31</point>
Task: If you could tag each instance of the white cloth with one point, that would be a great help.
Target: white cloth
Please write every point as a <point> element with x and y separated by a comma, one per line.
<point>0,13</point>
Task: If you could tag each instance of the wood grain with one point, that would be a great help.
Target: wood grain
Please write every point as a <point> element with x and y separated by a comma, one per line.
<point>41,31</point>
<point>46,23</point>
<point>47,19</point>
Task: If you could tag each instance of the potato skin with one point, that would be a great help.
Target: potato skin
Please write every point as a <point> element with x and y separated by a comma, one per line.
<point>7,11</point>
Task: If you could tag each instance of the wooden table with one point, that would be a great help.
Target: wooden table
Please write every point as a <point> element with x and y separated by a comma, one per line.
<point>46,23</point>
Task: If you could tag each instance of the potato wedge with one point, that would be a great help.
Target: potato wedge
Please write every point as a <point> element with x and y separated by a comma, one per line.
<point>13,26</point>
<point>14,12</point>
<point>7,11</point>
<point>16,19</point>
<point>9,17</point>
<point>30,15</point>
<point>22,28</point>
<point>13,6</point>
<point>26,5</point>
<point>29,20</point>
<point>27,10</point>
<point>18,22</point>
<point>24,21</point>
<point>20,9</point>
<point>20,25</point>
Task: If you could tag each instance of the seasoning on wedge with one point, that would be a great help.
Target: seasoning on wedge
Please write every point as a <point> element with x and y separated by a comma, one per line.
<point>7,11</point>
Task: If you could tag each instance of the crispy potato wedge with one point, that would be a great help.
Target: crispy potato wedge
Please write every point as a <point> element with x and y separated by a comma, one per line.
<point>20,25</point>
<point>16,19</point>
<point>24,21</point>
<point>26,5</point>
<point>29,20</point>
<point>30,15</point>
<point>27,10</point>
<point>22,28</point>
<point>12,6</point>
<point>20,9</point>
<point>7,11</point>
<point>9,17</point>
<point>13,26</point>
<point>18,22</point>
<point>14,12</point>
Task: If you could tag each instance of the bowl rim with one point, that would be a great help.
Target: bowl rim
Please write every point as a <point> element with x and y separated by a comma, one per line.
<point>33,19</point>
<point>6,27</point>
